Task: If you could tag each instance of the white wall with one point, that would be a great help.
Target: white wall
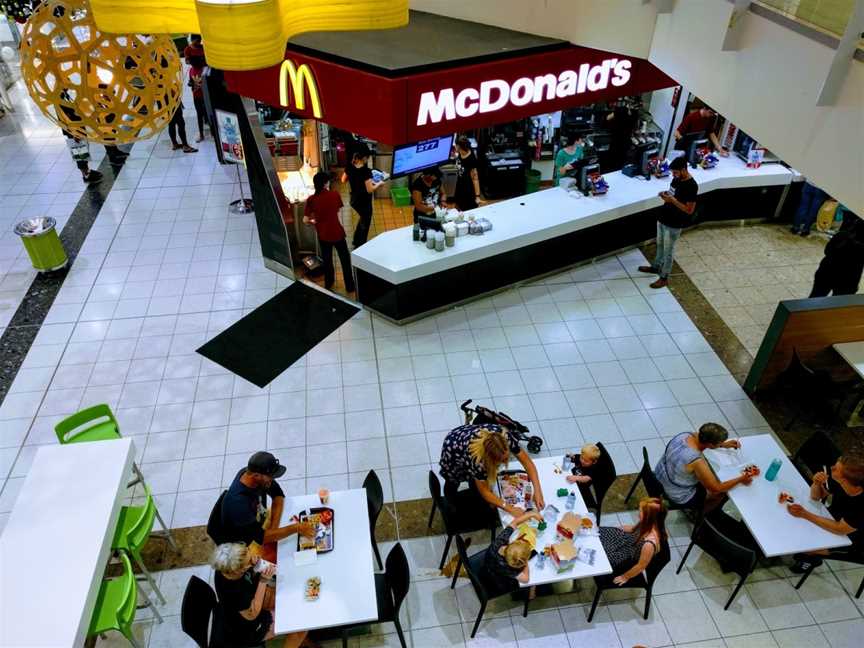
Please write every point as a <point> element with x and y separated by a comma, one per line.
<point>769,89</point>
<point>623,26</point>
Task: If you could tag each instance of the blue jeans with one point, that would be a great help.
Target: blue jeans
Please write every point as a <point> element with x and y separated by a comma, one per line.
<point>666,239</point>
<point>811,200</point>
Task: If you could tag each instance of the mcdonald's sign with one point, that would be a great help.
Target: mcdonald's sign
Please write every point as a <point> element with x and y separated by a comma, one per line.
<point>294,82</point>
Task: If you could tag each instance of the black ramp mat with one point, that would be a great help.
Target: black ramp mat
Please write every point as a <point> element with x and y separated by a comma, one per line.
<point>275,335</point>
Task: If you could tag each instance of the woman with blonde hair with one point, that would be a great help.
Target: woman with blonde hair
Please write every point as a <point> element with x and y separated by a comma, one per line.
<point>242,581</point>
<point>474,454</point>
<point>631,547</point>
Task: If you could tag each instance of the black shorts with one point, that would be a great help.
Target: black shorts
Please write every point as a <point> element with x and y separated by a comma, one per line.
<point>697,501</point>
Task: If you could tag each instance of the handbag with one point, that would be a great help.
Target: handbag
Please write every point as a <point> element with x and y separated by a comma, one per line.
<point>79,149</point>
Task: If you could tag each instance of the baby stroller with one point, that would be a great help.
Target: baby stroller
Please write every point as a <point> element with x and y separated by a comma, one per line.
<point>478,415</point>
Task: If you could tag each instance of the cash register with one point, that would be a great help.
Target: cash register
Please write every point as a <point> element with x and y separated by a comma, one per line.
<point>588,178</point>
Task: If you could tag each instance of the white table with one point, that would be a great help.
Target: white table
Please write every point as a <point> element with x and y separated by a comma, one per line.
<point>853,353</point>
<point>57,542</point>
<point>550,483</point>
<point>347,573</point>
<point>776,531</point>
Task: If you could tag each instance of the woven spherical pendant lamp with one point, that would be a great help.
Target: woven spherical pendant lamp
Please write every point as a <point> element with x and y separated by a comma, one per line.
<point>17,10</point>
<point>105,88</point>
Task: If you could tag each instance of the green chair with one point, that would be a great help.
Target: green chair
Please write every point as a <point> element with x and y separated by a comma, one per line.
<point>116,604</point>
<point>132,531</point>
<point>97,423</point>
<point>87,426</point>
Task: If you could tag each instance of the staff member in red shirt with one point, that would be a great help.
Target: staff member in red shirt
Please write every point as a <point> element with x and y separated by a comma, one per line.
<point>322,211</point>
<point>700,119</point>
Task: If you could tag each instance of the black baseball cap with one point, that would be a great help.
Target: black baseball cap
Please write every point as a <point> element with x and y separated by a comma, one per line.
<point>265,463</point>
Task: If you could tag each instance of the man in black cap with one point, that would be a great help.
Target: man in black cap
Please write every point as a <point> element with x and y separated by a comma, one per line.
<point>244,514</point>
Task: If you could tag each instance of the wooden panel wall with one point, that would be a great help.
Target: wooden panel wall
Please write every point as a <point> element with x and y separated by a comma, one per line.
<point>811,326</point>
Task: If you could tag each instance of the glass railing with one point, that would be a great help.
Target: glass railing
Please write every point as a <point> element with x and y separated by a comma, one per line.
<point>827,16</point>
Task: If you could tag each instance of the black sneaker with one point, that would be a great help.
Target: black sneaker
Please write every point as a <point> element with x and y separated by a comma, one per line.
<point>804,563</point>
<point>92,177</point>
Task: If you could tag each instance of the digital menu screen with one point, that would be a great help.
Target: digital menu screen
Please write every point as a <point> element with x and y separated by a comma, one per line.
<point>410,158</point>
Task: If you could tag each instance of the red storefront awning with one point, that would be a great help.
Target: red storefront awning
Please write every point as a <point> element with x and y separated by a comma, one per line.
<point>420,105</point>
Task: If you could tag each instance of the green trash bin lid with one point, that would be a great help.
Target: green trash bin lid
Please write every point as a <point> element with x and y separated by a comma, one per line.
<point>35,226</point>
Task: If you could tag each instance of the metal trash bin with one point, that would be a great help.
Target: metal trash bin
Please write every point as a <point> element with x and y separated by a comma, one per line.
<point>44,247</point>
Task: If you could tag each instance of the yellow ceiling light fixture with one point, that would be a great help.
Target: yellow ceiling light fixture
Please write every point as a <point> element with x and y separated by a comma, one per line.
<point>247,34</point>
<point>105,88</point>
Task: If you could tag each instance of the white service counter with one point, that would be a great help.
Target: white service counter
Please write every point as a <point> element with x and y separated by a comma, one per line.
<point>550,215</point>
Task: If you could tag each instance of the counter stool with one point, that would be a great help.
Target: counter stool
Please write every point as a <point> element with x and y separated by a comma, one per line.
<point>97,423</point>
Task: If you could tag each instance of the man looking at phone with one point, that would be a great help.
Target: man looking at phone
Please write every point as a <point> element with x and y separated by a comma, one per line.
<point>676,214</point>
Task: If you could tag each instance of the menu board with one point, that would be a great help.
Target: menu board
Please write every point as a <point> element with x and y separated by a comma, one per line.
<point>420,155</point>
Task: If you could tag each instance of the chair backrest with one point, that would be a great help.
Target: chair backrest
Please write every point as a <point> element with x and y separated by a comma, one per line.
<point>604,474</point>
<point>199,603</point>
<point>723,549</point>
<point>398,575</point>
<point>129,598</point>
<point>817,451</point>
<point>214,522</point>
<point>72,426</point>
<point>658,562</point>
<point>435,488</point>
<point>473,576</point>
<point>139,531</point>
<point>374,496</point>
<point>441,502</point>
<point>652,485</point>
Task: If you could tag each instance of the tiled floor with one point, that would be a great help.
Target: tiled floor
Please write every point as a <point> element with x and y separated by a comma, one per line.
<point>590,354</point>
<point>745,271</point>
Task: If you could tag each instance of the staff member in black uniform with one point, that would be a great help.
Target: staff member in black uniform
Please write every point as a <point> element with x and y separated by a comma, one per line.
<point>427,193</point>
<point>467,194</point>
<point>359,176</point>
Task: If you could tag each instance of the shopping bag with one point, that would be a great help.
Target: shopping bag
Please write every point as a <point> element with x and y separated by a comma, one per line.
<point>79,149</point>
<point>825,216</point>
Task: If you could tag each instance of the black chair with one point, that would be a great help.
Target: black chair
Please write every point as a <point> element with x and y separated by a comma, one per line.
<point>199,605</point>
<point>456,522</point>
<point>391,588</point>
<point>645,580</point>
<point>485,587</point>
<point>739,555</point>
<point>201,616</point>
<point>604,475</point>
<point>855,558</point>
<point>375,500</point>
<point>816,452</point>
<point>652,485</point>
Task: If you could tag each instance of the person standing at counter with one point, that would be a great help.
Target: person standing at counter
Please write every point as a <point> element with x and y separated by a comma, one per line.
<point>573,150</point>
<point>322,211</point>
<point>675,215</point>
<point>700,119</point>
<point>467,194</point>
<point>359,176</point>
<point>427,193</point>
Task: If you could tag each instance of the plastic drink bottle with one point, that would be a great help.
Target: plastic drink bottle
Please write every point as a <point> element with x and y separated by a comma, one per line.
<point>773,469</point>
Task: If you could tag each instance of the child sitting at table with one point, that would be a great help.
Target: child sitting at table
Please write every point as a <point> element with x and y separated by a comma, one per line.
<point>507,562</point>
<point>584,464</point>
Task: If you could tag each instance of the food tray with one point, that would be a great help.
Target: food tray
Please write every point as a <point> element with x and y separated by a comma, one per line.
<point>325,532</point>
<point>511,487</point>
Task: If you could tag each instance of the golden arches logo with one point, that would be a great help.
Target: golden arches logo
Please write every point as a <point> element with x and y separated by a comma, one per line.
<point>294,81</point>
